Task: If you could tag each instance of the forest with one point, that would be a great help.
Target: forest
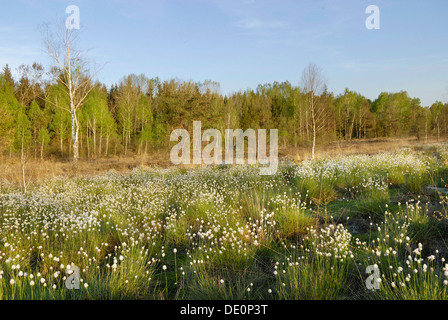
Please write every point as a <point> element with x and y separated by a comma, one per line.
<point>136,115</point>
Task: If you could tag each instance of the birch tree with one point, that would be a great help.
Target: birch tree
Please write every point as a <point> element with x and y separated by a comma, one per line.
<point>72,71</point>
<point>314,84</point>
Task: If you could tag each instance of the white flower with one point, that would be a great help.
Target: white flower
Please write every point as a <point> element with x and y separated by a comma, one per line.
<point>11,282</point>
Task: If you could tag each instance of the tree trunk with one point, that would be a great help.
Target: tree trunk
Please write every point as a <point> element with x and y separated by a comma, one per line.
<point>107,143</point>
<point>35,146</point>
<point>351,129</point>
<point>75,130</point>
<point>61,142</point>
<point>87,142</point>
<point>22,160</point>
<point>94,138</point>
<point>313,119</point>
<point>314,141</point>
<point>100,148</point>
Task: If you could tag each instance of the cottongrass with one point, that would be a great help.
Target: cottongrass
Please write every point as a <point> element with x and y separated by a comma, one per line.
<point>223,233</point>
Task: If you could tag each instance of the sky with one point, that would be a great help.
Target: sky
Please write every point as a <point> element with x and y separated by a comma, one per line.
<point>243,43</point>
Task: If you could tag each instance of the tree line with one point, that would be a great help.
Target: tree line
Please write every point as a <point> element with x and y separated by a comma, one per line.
<point>137,115</point>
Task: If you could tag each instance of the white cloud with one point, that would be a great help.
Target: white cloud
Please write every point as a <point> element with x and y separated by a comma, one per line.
<point>257,24</point>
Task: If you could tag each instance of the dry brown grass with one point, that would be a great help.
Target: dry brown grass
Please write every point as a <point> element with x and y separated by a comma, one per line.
<point>367,146</point>
<point>37,171</point>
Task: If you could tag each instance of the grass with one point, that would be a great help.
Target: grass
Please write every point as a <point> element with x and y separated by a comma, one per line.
<point>308,232</point>
<point>373,203</point>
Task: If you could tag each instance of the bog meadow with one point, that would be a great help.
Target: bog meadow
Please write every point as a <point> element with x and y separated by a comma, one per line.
<point>225,232</point>
<point>92,207</point>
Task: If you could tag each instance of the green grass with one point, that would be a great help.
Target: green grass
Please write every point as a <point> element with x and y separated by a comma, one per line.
<point>308,232</point>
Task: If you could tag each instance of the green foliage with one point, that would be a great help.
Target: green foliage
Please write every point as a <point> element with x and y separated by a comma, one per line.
<point>138,114</point>
<point>22,136</point>
<point>8,112</point>
<point>373,203</point>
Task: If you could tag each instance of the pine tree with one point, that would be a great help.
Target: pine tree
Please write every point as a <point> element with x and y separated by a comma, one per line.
<point>7,75</point>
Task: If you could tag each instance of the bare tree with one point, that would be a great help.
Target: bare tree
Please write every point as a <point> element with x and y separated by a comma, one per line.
<point>314,85</point>
<point>72,71</point>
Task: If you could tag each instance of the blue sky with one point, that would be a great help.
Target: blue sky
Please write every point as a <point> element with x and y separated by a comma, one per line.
<point>241,43</point>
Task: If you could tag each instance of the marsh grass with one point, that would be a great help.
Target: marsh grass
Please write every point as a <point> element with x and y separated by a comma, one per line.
<point>307,232</point>
<point>293,224</point>
<point>373,203</point>
<point>316,278</point>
